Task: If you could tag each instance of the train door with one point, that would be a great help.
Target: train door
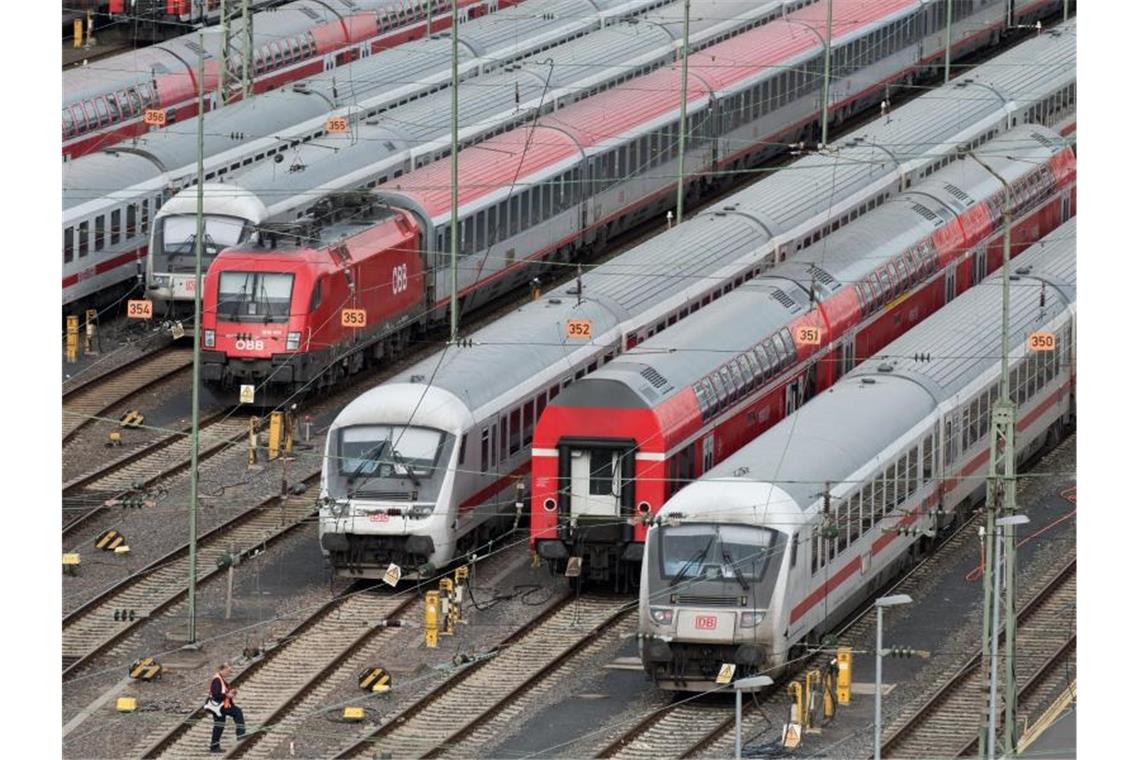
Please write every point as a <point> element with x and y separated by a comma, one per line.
<point>978,266</point>
<point>794,395</point>
<point>951,284</point>
<point>330,62</point>
<point>595,481</point>
<point>847,356</point>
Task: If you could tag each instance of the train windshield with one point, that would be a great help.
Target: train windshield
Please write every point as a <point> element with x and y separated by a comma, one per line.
<point>254,296</point>
<point>389,451</point>
<point>173,248</point>
<point>712,552</point>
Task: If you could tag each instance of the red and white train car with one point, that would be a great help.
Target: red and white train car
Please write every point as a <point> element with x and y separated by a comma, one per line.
<point>106,101</point>
<point>611,449</point>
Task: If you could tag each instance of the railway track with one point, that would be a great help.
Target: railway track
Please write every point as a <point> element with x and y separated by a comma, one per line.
<point>478,692</point>
<point>92,629</point>
<point>95,398</point>
<point>946,725</point>
<point>281,688</point>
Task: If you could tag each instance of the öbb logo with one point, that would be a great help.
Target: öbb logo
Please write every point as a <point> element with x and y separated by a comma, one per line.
<point>249,344</point>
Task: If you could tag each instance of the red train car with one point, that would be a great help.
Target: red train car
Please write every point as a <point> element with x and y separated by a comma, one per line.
<point>612,448</point>
<point>295,314</point>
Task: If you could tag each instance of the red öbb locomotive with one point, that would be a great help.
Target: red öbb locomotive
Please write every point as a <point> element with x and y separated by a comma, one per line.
<point>292,315</point>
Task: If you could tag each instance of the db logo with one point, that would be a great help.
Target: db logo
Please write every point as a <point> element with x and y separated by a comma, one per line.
<point>242,344</point>
<point>400,278</point>
<point>378,517</point>
<point>706,622</point>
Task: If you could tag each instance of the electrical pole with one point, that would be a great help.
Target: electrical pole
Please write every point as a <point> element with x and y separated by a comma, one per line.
<point>1001,493</point>
<point>684,113</point>
<point>223,53</point>
<point>1065,17</point>
<point>949,23</point>
<point>454,170</point>
<point>826,76</point>
<point>192,636</point>
<point>246,51</point>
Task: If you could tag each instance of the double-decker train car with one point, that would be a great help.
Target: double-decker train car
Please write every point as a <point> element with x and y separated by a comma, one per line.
<point>105,101</point>
<point>486,397</point>
<point>573,186</point>
<point>614,447</point>
<point>415,134</point>
<point>780,541</point>
<point>131,180</point>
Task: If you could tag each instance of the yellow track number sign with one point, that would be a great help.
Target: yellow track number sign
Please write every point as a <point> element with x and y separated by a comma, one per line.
<point>155,117</point>
<point>140,309</point>
<point>808,335</point>
<point>579,329</point>
<point>336,125</point>
<point>355,318</point>
<point>1042,341</point>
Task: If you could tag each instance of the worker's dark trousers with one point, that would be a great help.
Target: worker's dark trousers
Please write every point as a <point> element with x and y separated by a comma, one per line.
<point>220,725</point>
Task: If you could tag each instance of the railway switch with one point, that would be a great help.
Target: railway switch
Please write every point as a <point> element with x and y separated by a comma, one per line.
<point>843,675</point>
<point>109,540</point>
<point>70,562</point>
<point>375,680</point>
<point>146,669</point>
<point>431,619</point>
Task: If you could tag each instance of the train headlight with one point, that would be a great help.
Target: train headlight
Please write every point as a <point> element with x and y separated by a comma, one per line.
<point>339,508</point>
<point>208,338</point>
<point>292,341</point>
<point>751,619</point>
<point>661,615</point>
<point>420,511</point>
<point>160,281</point>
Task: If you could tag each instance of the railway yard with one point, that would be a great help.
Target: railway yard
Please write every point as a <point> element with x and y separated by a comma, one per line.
<point>707,429</point>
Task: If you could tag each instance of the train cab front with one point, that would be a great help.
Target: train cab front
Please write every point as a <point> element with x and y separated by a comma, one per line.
<point>255,323</point>
<point>594,483</point>
<point>707,599</point>
<point>230,218</point>
<point>386,492</point>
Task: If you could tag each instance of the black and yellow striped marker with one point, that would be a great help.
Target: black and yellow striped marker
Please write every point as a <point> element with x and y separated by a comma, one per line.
<point>375,679</point>
<point>109,540</point>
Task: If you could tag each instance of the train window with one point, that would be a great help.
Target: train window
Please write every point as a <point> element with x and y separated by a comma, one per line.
<point>116,225</point>
<point>731,382</point>
<point>68,123</point>
<point>867,508</point>
<point>769,351</point>
<point>890,488</point>
<point>554,390</point>
<point>503,438</point>
<point>539,405</point>
<point>68,244</point>
<point>83,242</point>
<point>878,496</point>
<point>484,445</point>
<point>513,228</point>
<point>524,210</point>
<point>101,110</point>
<point>131,212</point>
<point>528,423</point>
<point>462,447</point>
<point>719,389</point>
<point>467,236</point>
<point>705,399</point>
<point>547,206</point>
<point>789,352</point>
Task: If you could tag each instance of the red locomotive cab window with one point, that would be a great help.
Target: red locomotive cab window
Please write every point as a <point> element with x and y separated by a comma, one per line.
<point>721,391</point>
<point>876,291</point>
<point>315,300</point>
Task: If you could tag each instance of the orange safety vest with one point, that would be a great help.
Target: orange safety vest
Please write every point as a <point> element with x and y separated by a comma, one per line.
<point>226,700</point>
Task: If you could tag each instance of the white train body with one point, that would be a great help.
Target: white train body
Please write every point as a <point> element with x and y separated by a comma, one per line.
<point>783,539</point>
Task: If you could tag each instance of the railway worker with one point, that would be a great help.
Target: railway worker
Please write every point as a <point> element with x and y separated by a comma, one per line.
<point>221,704</point>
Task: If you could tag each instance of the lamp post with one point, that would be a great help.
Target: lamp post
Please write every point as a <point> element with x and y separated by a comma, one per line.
<point>1001,480</point>
<point>826,43</point>
<point>880,604</point>
<point>192,628</point>
<point>750,685</point>
<point>684,113</point>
